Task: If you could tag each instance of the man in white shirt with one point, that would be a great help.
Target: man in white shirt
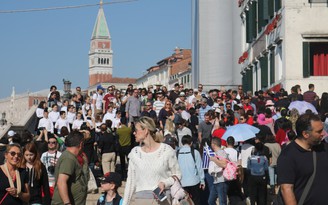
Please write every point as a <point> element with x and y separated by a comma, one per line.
<point>182,130</point>
<point>110,114</point>
<point>65,105</point>
<point>45,125</point>
<point>61,122</point>
<point>159,103</point>
<point>49,159</point>
<point>97,101</point>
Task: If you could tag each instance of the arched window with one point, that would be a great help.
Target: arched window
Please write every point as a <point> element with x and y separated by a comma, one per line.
<point>107,61</point>
<point>98,60</point>
<point>102,61</point>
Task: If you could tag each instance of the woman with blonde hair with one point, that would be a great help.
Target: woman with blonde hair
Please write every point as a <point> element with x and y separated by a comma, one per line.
<point>151,165</point>
<point>13,187</point>
<point>37,175</point>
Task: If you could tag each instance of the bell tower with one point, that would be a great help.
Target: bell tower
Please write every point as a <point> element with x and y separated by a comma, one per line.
<point>100,53</point>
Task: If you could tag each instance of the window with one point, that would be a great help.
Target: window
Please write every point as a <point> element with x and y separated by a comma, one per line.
<point>251,23</point>
<point>264,71</point>
<point>318,1</point>
<point>272,67</point>
<point>315,59</point>
<point>98,60</point>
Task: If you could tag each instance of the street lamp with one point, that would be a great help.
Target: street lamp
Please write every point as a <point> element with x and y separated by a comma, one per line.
<point>67,89</point>
<point>3,120</point>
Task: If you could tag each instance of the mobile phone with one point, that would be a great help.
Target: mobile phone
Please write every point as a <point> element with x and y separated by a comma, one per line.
<point>160,196</point>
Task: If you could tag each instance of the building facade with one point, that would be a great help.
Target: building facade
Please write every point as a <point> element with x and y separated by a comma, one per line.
<point>216,40</point>
<point>168,71</point>
<point>285,43</point>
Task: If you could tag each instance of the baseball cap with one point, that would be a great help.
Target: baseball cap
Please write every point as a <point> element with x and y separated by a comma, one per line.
<point>11,133</point>
<point>99,87</point>
<point>112,177</point>
<point>182,94</point>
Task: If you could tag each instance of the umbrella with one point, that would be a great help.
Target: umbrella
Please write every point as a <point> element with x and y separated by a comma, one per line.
<point>302,106</point>
<point>241,132</point>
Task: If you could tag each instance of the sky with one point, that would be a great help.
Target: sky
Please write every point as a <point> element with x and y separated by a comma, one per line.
<point>40,49</point>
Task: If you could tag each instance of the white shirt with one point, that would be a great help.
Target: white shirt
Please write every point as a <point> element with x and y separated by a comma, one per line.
<point>109,116</point>
<point>64,108</point>
<point>99,99</point>
<point>39,112</point>
<point>77,124</point>
<point>61,123</point>
<point>232,154</point>
<point>46,123</point>
<point>158,105</point>
<point>71,116</point>
<point>246,151</point>
<point>49,159</point>
<point>53,116</point>
<point>116,122</point>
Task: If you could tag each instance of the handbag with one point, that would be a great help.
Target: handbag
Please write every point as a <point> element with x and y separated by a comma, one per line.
<point>178,194</point>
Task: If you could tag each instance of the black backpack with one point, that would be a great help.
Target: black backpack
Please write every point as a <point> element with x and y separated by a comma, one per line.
<point>192,152</point>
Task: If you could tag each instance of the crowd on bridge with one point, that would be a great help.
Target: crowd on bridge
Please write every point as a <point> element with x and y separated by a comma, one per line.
<point>172,140</point>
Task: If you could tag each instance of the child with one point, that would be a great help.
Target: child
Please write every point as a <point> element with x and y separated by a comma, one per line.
<point>110,183</point>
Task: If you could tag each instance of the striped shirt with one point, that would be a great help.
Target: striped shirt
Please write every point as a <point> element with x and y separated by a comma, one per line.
<point>206,159</point>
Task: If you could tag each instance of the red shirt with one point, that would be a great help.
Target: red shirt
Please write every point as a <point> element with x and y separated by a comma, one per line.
<point>108,98</point>
<point>219,133</point>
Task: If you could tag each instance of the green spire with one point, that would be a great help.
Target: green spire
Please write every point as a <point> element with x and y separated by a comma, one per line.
<point>100,29</point>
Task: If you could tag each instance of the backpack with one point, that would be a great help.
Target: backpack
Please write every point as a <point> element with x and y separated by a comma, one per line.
<point>192,152</point>
<point>257,165</point>
<point>230,172</point>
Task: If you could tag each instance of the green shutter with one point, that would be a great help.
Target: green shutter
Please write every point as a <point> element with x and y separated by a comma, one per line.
<point>272,67</point>
<point>264,71</point>
<point>277,5</point>
<point>249,75</point>
<point>248,28</point>
<point>306,59</point>
<point>254,19</point>
<point>271,8</point>
<point>260,15</point>
<point>266,10</point>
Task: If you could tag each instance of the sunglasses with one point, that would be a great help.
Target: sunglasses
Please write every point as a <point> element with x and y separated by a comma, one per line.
<point>15,153</point>
<point>52,142</point>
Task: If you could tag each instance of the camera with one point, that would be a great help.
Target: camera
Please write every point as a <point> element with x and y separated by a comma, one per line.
<point>51,169</point>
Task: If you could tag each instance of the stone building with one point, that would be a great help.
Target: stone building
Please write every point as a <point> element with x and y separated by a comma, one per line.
<point>285,43</point>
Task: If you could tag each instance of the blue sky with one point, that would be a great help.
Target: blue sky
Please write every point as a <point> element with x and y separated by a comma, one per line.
<point>39,49</point>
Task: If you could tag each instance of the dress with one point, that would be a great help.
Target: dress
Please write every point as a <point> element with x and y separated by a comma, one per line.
<point>10,200</point>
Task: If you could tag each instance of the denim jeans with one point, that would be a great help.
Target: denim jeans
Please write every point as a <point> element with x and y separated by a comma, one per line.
<point>218,190</point>
<point>272,175</point>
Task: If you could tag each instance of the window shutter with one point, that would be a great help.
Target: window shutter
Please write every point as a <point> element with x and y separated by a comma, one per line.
<point>264,71</point>
<point>249,75</point>
<point>271,8</point>
<point>254,19</point>
<point>306,59</point>
<point>277,5</point>
<point>272,67</point>
<point>260,15</point>
<point>266,10</point>
<point>248,28</point>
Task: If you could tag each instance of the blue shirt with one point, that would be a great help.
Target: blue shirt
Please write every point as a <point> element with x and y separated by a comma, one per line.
<point>191,171</point>
<point>202,112</point>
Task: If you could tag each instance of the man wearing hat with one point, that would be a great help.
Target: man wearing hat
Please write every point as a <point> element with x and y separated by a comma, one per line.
<point>97,101</point>
<point>110,183</point>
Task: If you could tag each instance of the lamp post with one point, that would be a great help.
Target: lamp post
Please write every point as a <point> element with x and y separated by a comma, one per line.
<point>67,89</point>
<point>3,120</point>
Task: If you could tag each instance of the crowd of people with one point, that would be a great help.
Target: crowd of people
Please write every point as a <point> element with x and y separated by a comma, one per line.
<point>153,137</point>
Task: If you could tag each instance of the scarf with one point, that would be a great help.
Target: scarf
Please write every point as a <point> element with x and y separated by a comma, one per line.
<point>16,177</point>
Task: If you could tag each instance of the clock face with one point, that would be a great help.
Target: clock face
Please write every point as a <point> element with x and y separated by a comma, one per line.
<point>103,45</point>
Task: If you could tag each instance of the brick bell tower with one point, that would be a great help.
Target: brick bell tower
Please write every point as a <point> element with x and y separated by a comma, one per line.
<point>100,53</point>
